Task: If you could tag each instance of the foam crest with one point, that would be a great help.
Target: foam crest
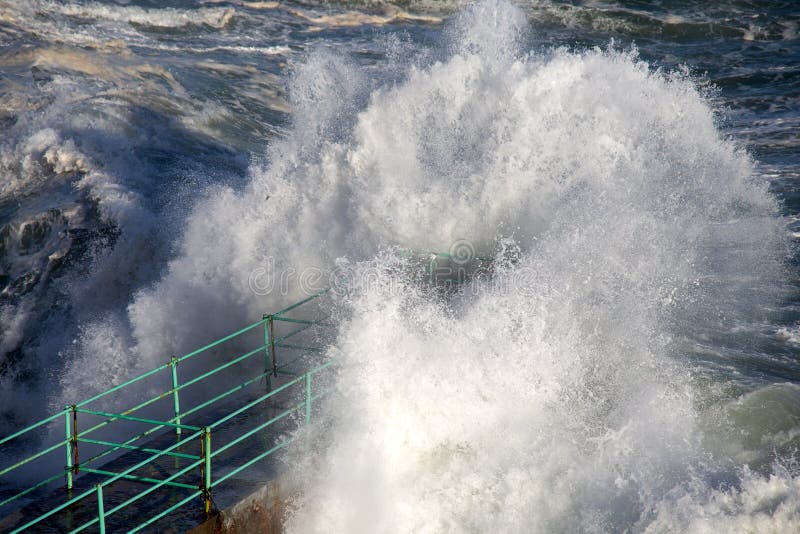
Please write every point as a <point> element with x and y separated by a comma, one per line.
<point>761,504</point>
<point>391,15</point>
<point>555,396</point>
<point>160,18</point>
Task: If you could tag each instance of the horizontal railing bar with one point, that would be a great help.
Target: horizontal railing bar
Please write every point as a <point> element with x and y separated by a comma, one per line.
<point>281,368</point>
<point>216,370</point>
<point>247,464</point>
<point>165,512</point>
<point>221,340</point>
<point>320,367</point>
<point>85,526</point>
<point>280,371</point>
<point>137,419</point>
<point>177,444</point>
<point>298,304</point>
<point>123,385</point>
<point>54,511</point>
<point>187,412</point>
<point>129,411</point>
<point>140,479</point>
<point>37,424</point>
<point>292,333</point>
<point>35,456</point>
<point>225,394</point>
<point>151,489</point>
<point>268,395</point>
<point>32,488</point>
<point>290,362</point>
<point>259,428</point>
<point>162,367</point>
<point>127,442</point>
<point>161,453</point>
<point>134,448</point>
<point>315,398</point>
<point>137,497</point>
<point>255,402</point>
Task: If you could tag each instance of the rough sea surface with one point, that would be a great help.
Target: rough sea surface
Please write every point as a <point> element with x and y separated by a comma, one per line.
<point>633,363</point>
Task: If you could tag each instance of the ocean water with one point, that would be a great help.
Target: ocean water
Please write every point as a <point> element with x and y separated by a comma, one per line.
<point>171,170</point>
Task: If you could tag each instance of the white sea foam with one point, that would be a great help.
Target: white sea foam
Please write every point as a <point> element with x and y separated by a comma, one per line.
<point>552,398</point>
<point>768,504</point>
<point>790,335</point>
<point>555,401</point>
<point>265,50</point>
<point>162,17</point>
<point>391,15</point>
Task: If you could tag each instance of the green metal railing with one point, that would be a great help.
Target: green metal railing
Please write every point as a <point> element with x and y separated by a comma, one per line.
<point>168,413</point>
<point>192,444</point>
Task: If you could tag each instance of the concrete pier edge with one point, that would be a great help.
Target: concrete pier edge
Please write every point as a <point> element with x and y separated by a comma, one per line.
<point>262,511</point>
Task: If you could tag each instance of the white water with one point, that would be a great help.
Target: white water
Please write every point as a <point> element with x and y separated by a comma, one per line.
<point>556,397</point>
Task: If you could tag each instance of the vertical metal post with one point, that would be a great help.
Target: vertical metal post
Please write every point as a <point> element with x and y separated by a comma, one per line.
<point>100,512</point>
<point>308,398</point>
<point>173,362</point>
<point>271,325</point>
<point>68,444</point>
<point>74,440</point>
<point>205,469</point>
<point>267,337</point>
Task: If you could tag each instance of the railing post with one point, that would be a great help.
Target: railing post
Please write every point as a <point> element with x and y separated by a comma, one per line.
<point>271,326</point>
<point>101,516</point>
<point>267,352</point>
<point>205,469</point>
<point>68,445</point>
<point>74,439</point>
<point>173,362</point>
<point>308,397</point>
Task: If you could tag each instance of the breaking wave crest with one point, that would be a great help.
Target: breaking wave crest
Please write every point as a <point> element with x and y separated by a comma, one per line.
<point>566,393</point>
<point>562,394</point>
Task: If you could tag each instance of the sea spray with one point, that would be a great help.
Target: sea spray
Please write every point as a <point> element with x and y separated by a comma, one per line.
<point>558,395</point>
<point>634,241</point>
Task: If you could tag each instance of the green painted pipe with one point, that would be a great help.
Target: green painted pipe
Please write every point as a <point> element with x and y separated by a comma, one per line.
<point>72,438</point>
<point>175,393</point>
<point>101,516</point>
